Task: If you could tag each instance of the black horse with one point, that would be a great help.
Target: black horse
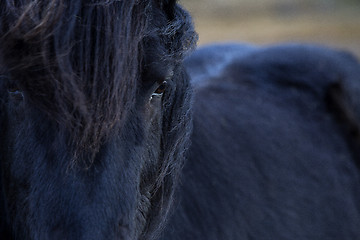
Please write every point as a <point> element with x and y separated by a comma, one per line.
<point>95,118</point>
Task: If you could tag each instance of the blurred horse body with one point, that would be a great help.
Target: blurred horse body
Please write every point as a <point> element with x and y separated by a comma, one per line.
<point>275,145</point>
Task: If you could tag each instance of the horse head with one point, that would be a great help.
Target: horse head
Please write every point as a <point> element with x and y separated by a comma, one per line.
<point>94,116</point>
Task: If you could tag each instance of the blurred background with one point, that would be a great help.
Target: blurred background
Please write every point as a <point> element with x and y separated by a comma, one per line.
<point>331,22</point>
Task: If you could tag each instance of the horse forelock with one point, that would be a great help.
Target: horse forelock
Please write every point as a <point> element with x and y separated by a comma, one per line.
<point>77,62</point>
<point>80,62</point>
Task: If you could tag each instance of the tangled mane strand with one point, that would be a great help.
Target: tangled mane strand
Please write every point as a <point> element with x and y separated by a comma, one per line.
<point>78,62</point>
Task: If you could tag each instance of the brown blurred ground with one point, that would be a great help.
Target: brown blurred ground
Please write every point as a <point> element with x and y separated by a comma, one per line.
<point>330,22</point>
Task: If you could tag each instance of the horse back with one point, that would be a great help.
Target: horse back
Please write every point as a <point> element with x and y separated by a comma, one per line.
<point>274,150</point>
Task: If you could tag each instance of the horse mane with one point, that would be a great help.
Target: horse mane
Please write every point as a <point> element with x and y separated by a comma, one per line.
<point>79,62</point>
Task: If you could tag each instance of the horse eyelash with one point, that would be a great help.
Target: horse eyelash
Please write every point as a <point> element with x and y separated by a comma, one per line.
<point>159,90</point>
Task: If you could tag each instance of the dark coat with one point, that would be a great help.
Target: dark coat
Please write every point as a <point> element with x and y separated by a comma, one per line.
<point>275,145</point>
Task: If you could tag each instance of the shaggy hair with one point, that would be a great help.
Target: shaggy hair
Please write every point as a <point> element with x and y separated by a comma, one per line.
<point>80,62</point>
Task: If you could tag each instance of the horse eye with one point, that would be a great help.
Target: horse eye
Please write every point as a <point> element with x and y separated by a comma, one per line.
<point>13,89</point>
<point>15,92</point>
<point>161,89</point>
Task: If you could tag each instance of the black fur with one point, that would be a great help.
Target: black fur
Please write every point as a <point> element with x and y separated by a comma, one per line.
<point>275,145</point>
<point>86,151</point>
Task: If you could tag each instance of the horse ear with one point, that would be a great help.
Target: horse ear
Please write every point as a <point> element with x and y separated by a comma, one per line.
<point>168,6</point>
